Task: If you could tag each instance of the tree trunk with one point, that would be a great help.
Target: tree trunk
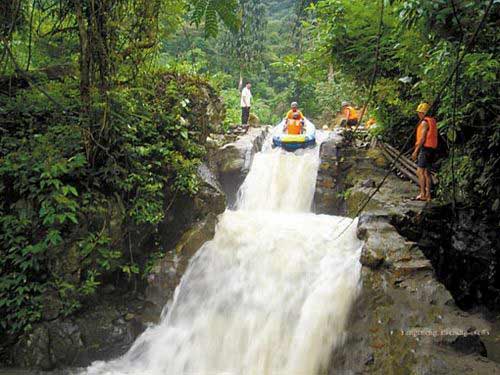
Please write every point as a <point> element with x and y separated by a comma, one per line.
<point>85,78</point>
<point>330,72</point>
<point>84,56</point>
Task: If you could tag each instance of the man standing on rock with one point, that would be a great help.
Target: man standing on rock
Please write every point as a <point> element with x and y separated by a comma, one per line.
<point>425,148</point>
<point>246,102</point>
<point>350,114</point>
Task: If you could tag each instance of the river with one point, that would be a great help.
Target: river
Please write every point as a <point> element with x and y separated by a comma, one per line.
<point>270,294</point>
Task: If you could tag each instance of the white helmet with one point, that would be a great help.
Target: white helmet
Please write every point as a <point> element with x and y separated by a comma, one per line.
<point>345,104</point>
<point>294,105</point>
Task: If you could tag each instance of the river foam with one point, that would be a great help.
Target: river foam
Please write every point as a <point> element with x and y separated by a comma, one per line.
<point>270,294</point>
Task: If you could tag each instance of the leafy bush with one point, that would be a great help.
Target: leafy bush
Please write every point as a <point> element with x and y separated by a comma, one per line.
<point>419,47</point>
<point>60,179</point>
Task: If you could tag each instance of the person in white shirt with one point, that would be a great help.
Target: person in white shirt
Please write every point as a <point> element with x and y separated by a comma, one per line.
<point>246,103</point>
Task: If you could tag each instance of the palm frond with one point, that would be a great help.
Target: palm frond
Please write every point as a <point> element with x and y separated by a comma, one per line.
<point>211,12</point>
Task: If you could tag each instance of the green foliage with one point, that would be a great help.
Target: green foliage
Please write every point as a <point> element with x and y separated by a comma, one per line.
<point>419,47</point>
<point>261,108</point>
<point>211,11</point>
<point>330,93</point>
<point>84,163</point>
<point>53,198</point>
<point>262,38</point>
<point>246,46</point>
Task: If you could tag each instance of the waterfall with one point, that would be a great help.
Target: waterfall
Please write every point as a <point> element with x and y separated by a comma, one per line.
<point>270,294</point>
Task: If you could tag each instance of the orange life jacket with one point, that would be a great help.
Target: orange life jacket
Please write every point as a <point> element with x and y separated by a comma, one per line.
<point>431,141</point>
<point>294,124</point>
<point>352,115</point>
<point>370,122</point>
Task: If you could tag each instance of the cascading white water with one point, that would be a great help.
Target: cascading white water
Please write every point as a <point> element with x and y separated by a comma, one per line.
<point>270,294</point>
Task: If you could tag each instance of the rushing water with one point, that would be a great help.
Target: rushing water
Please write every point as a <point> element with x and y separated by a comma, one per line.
<point>270,294</point>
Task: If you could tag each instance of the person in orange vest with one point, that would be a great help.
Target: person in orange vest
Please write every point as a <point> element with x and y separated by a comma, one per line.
<point>294,121</point>
<point>425,149</point>
<point>370,123</point>
<point>350,114</point>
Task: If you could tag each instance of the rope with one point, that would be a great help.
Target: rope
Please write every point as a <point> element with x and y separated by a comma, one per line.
<point>458,63</point>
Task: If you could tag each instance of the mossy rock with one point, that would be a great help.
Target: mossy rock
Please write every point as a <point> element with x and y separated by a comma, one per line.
<point>377,157</point>
<point>195,237</point>
<point>356,198</point>
<point>253,120</point>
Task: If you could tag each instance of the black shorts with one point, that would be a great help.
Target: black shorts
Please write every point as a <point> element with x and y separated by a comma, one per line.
<point>352,122</point>
<point>345,123</point>
<point>426,157</point>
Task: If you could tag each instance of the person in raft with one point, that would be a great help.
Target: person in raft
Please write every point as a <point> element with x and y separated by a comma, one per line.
<point>350,114</point>
<point>294,121</point>
<point>425,149</point>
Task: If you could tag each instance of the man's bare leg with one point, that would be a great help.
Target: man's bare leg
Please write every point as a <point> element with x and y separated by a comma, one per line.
<point>421,183</point>
<point>428,183</point>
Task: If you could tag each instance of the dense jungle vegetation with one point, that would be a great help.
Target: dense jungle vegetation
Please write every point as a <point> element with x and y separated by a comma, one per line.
<point>103,107</point>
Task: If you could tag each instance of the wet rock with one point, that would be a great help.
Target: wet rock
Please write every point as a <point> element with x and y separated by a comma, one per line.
<point>187,210</point>
<point>368,183</point>
<point>465,252</point>
<point>404,319</point>
<point>52,305</point>
<point>358,198</point>
<point>232,161</point>
<point>469,345</point>
<point>33,350</point>
<point>369,223</point>
<point>104,333</point>
<point>371,257</point>
<point>66,345</point>
<point>99,333</point>
<point>167,272</point>
<point>409,266</point>
<point>328,196</point>
<point>195,237</point>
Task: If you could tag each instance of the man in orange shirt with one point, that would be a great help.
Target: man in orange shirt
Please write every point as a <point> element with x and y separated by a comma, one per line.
<point>350,114</point>
<point>294,122</point>
<point>425,148</point>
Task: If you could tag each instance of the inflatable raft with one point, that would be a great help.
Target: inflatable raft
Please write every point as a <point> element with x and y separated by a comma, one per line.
<point>292,142</point>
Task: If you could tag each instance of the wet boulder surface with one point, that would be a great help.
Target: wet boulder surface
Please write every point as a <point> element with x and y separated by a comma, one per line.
<point>408,318</point>
<point>464,247</point>
<point>231,162</point>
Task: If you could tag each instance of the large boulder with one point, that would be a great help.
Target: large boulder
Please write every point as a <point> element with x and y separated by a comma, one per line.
<point>33,349</point>
<point>464,247</point>
<point>347,177</point>
<point>100,332</point>
<point>232,161</point>
<point>405,321</point>
<point>167,272</point>
<point>186,210</point>
<point>328,196</point>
